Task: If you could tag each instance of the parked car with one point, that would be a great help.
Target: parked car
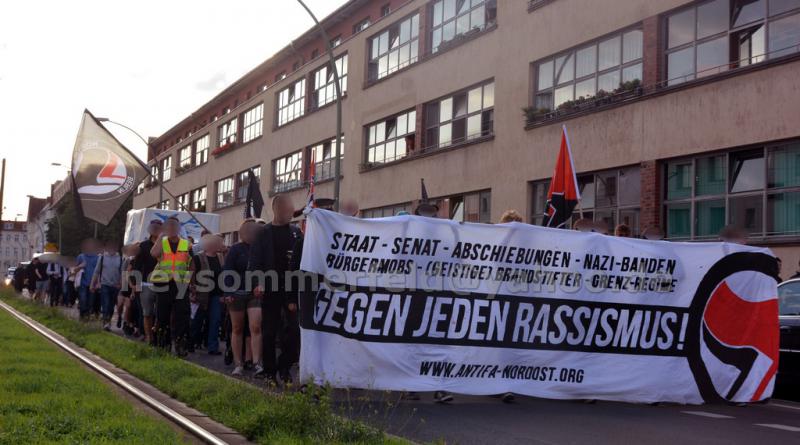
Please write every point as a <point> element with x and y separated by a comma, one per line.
<point>787,383</point>
<point>9,278</point>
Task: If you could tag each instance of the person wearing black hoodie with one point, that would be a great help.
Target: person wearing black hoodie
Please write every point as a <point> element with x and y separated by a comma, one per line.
<point>271,254</point>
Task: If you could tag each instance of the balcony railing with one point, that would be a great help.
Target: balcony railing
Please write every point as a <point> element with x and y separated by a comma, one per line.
<point>534,4</point>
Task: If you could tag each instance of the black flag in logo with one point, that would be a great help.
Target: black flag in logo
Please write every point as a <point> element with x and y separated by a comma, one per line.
<point>104,172</point>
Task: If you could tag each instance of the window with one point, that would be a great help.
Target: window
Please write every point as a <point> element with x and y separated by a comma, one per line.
<point>391,139</point>
<point>292,102</point>
<point>163,205</point>
<point>166,169</point>
<point>140,188</point>
<point>714,36</point>
<point>469,207</point>
<point>154,175</point>
<point>583,72</point>
<point>385,10</point>
<point>280,76</point>
<point>243,182</point>
<point>385,212</point>
<point>185,157</point>
<point>461,117</point>
<point>395,48</point>
<point>252,123</point>
<point>287,172</point>
<point>199,199</point>
<point>472,207</point>
<point>610,197</point>
<point>336,41</point>
<point>324,87</point>
<point>322,156</point>
<point>224,192</point>
<point>455,18</point>
<point>360,26</point>
<point>227,133</point>
<point>757,190</point>
<point>184,202</point>
<point>201,150</point>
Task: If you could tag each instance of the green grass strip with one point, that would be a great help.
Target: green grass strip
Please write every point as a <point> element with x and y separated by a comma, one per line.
<point>46,397</point>
<point>266,418</point>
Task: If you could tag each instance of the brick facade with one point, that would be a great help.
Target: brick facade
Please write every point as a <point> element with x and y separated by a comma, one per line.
<point>650,213</point>
<point>652,60</point>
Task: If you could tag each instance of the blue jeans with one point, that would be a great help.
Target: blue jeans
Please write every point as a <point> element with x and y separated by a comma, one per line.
<point>108,301</point>
<point>85,300</point>
<point>214,316</point>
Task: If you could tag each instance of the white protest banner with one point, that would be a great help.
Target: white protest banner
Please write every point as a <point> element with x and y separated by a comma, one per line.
<point>420,304</point>
<point>191,226</point>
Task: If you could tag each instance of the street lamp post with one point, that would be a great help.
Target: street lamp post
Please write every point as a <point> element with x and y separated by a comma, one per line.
<point>55,211</point>
<point>337,163</point>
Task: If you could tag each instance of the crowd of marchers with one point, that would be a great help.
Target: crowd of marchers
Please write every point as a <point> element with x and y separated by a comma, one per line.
<point>187,297</point>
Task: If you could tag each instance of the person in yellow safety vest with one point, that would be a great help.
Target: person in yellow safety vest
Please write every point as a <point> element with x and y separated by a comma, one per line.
<point>170,280</point>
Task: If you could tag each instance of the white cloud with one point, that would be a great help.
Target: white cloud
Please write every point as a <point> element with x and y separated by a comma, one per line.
<point>144,63</point>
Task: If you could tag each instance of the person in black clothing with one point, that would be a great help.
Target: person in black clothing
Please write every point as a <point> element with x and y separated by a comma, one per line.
<point>144,298</point>
<point>271,253</point>
<point>40,275</point>
<point>30,278</point>
<point>19,278</point>
<point>207,292</point>
<point>244,308</point>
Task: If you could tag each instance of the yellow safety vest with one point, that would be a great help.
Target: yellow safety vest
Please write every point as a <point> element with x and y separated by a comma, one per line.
<point>172,265</point>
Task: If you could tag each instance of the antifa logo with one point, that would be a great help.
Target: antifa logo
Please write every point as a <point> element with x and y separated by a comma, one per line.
<point>101,172</point>
<point>736,338</point>
<point>559,209</point>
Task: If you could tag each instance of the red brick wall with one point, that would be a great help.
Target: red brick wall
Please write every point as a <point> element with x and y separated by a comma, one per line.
<point>652,56</point>
<point>651,180</point>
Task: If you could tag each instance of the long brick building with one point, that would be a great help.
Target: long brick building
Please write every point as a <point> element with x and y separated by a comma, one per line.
<point>682,114</point>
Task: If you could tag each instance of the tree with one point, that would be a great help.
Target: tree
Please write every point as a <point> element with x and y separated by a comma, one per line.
<point>75,228</point>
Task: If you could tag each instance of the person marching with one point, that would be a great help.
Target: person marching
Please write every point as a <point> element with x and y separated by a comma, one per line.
<point>142,266</point>
<point>55,274</point>
<point>170,280</point>
<point>244,308</point>
<point>106,280</point>
<point>271,253</point>
<point>207,292</point>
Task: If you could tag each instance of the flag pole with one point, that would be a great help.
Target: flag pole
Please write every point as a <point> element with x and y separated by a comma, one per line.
<point>161,188</point>
<point>337,162</point>
<point>575,177</point>
<point>186,209</point>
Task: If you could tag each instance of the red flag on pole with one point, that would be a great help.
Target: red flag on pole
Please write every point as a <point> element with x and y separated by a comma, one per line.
<point>564,193</point>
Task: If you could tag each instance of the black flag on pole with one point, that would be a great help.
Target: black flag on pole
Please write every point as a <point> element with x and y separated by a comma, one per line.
<point>104,172</point>
<point>254,202</point>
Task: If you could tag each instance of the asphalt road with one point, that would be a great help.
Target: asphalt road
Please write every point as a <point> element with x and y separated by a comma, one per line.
<point>486,420</point>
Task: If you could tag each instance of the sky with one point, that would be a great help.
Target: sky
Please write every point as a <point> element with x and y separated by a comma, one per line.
<point>144,63</point>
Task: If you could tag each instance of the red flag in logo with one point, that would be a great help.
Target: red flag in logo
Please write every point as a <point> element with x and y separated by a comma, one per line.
<point>564,194</point>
